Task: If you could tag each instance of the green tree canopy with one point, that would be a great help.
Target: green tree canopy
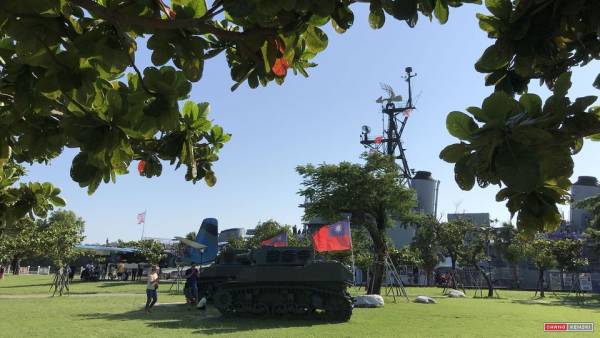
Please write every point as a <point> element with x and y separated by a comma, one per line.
<point>265,230</point>
<point>508,245</point>
<point>21,241</point>
<point>477,250</point>
<point>569,254</point>
<point>151,250</point>
<point>68,78</point>
<point>592,232</point>
<point>540,252</point>
<point>59,235</point>
<point>425,244</point>
<point>372,193</point>
<point>451,238</point>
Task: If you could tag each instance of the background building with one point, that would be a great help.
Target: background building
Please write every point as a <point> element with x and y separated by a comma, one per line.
<point>586,186</point>
<point>478,218</point>
<point>427,190</point>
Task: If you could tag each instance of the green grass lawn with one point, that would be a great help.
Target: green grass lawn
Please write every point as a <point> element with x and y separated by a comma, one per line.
<point>114,309</point>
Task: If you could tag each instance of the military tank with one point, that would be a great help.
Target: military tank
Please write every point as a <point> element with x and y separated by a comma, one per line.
<point>273,281</point>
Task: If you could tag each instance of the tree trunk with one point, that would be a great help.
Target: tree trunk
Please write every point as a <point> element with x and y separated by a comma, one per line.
<point>15,265</point>
<point>377,235</point>
<point>541,282</point>
<point>453,284</point>
<point>377,275</point>
<point>515,276</point>
<point>488,280</point>
<point>429,277</point>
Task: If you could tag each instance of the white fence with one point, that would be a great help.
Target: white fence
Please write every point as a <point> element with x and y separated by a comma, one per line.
<point>31,270</point>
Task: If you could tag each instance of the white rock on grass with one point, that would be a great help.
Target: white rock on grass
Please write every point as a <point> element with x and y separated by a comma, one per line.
<point>425,300</point>
<point>455,293</point>
<point>368,301</point>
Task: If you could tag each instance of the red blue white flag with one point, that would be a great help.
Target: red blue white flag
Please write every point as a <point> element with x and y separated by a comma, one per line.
<point>333,237</point>
<point>277,241</point>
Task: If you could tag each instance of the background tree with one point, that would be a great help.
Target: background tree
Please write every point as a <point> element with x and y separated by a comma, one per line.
<point>22,241</point>
<point>269,229</point>
<point>151,250</point>
<point>373,193</point>
<point>592,232</point>
<point>425,245</point>
<point>540,252</point>
<point>476,250</point>
<point>569,255</point>
<point>60,233</point>
<point>509,247</point>
<point>451,236</point>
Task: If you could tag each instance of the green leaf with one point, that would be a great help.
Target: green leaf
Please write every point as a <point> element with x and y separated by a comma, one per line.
<point>500,8</point>
<point>494,57</point>
<point>499,106</point>
<point>441,11</point>
<point>489,24</point>
<point>316,40</point>
<point>57,201</point>
<point>192,8</point>
<point>210,179</point>
<point>453,153</point>
<point>376,18</point>
<point>518,167</point>
<point>503,194</point>
<point>562,84</point>
<point>464,174</point>
<point>532,104</point>
<point>597,82</point>
<point>460,125</point>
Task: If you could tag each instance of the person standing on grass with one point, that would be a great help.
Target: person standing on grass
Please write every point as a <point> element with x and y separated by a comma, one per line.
<point>151,288</point>
<point>191,276</point>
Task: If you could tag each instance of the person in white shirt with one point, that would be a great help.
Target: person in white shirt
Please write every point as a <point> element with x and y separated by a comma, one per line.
<point>151,287</point>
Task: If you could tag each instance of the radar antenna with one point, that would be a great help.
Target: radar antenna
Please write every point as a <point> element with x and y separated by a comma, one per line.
<point>390,143</point>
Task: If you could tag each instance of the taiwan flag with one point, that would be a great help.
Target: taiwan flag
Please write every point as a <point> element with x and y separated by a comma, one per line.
<point>333,237</point>
<point>279,240</point>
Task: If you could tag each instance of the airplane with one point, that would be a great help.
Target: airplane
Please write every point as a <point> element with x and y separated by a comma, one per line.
<point>201,251</point>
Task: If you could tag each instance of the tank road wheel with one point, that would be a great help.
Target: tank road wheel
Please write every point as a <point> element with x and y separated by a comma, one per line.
<point>338,309</point>
<point>223,300</point>
<point>279,309</point>
<point>260,309</point>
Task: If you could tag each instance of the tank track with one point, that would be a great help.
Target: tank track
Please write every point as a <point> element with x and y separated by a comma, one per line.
<point>297,301</point>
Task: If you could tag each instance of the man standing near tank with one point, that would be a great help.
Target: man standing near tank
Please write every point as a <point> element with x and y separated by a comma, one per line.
<point>191,276</point>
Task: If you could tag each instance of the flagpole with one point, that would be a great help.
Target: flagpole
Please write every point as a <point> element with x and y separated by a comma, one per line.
<point>352,252</point>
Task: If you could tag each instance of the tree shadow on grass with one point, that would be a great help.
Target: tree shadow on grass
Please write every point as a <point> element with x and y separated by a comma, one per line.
<point>25,285</point>
<point>109,284</point>
<point>591,302</point>
<point>210,321</point>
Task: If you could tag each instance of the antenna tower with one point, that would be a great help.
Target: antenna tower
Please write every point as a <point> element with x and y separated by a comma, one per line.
<point>390,143</point>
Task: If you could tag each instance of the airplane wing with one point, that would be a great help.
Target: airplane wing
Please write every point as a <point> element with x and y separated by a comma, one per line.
<point>190,243</point>
<point>101,250</point>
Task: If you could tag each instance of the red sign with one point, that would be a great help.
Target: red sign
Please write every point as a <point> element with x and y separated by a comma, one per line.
<point>555,326</point>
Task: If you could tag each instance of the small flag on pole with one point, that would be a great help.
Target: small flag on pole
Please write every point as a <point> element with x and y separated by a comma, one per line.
<point>333,237</point>
<point>141,218</point>
<point>277,241</point>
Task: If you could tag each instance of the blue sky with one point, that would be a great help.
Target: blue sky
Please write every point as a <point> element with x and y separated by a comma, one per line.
<point>311,120</point>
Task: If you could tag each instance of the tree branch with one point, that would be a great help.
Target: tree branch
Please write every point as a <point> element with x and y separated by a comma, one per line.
<point>199,24</point>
